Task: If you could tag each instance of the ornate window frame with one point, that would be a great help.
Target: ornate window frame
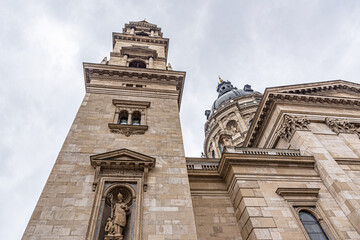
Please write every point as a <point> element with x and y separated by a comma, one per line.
<point>306,199</point>
<point>131,107</point>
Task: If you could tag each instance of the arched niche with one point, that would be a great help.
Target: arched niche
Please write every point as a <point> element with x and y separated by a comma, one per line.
<point>109,218</point>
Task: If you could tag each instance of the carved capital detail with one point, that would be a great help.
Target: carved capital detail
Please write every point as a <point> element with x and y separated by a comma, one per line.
<point>292,124</point>
<point>342,126</point>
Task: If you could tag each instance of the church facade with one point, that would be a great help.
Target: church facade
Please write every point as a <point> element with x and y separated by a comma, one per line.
<point>280,165</point>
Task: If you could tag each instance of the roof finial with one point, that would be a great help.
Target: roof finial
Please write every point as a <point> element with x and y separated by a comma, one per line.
<point>220,79</point>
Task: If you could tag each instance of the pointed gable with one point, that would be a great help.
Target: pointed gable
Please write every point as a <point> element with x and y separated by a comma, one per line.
<point>122,158</point>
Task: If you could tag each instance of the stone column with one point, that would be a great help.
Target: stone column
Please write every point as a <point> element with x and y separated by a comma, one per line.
<point>125,58</point>
<point>116,117</point>
<point>151,62</point>
<point>129,122</point>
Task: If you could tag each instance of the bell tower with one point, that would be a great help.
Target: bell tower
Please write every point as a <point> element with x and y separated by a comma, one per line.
<point>121,173</point>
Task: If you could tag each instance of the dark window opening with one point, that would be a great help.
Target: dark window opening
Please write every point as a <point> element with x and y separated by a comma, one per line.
<point>136,118</point>
<point>139,86</point>
<point>312,226</point>
<point>129,85</point>
<point>123,115</point>
<point>142,34</point>
<point>137,64</point>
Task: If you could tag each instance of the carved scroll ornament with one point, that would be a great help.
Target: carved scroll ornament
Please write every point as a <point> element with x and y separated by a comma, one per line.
<point>292,124</point>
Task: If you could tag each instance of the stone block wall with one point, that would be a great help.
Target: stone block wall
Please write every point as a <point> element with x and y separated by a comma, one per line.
<point>64,208</point>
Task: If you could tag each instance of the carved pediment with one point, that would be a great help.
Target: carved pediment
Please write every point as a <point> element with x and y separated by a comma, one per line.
<point>124,159</point>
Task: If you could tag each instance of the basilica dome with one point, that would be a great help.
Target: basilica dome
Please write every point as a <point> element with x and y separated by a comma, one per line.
<point>227,91</point>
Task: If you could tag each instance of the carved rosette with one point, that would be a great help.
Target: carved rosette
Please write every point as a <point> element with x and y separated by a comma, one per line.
<point>342,126</point>
<point>292,124</point>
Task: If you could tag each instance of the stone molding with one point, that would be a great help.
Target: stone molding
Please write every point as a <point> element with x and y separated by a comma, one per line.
<point>290,125</point>
<point>121,73</point>
<point>342,126</point>
<point>232,159</point>
<point>299,194</point>
<point>134,104</point>
<point>128,130</point>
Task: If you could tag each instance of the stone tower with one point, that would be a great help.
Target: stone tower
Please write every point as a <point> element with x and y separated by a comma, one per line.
<point>229,118</point>
<point>121,173</point>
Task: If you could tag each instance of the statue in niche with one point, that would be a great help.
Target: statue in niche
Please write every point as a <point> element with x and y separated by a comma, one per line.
<point>116,223</point>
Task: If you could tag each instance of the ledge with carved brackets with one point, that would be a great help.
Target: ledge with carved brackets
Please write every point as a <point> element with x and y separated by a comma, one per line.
<point>127,129</point>
<point>123,159</point>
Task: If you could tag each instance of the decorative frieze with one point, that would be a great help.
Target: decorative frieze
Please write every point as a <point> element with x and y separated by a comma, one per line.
<point>292,124</point>
<point>342,126</point>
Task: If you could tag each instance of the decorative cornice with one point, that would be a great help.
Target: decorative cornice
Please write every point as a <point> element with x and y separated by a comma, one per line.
<point>292,124</point>
<point>263,160</point>
<point>128,130</point>
<point>204,164</point>
<point>300,94</point>
<point>141,75</point>
<point>342,126</point>
<point>146,39</point>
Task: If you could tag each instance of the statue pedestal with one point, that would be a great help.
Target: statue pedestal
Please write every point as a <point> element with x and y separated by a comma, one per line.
<point>114,237</point>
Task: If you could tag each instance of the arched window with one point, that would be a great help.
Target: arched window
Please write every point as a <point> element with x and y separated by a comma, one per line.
<point>123,116</point>
<point>137,64</point>
<point>136,118</point>
<point>213,154</point>
<point>312,226</point>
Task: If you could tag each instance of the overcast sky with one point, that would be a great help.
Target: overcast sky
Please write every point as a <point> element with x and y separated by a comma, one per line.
<point>43,44</point>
